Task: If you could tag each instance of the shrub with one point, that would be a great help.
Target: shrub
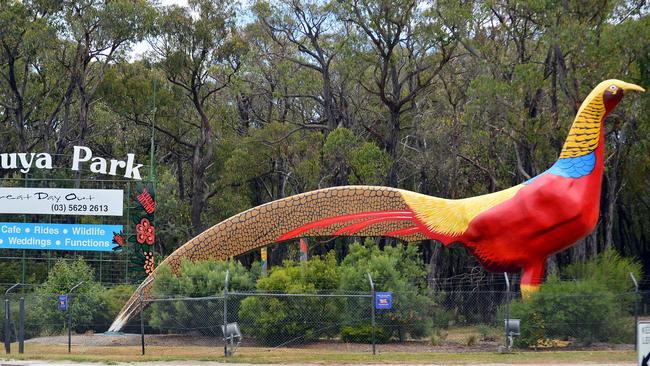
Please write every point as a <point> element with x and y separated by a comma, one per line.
<point>112,301</point>
<point>471,340</point>
<point>585,311</point>
<point>277,320</point>
<point>85,306</point>
<point>441,317</point>
<point>612,271</point>
<point>489,333</point>
<point>438,336</point>
<point>590,308</point>
<point>363,334</point>
<point>397,269</point>
<point>198,279</point>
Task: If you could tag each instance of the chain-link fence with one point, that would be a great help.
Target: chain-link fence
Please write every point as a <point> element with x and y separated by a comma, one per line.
<point>470,320</point>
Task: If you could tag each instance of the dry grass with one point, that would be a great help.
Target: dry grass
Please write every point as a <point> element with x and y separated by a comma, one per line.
<point>263,355</point>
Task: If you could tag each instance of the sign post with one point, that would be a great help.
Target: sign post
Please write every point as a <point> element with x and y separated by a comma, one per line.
<point>372,311</point>
<point>643,342</point>
<point>68,296</point>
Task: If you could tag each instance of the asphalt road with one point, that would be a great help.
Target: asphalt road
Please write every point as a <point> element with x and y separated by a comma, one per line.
<point>207,363</point>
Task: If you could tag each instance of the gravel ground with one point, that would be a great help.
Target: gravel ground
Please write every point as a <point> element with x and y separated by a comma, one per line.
<point>184,340</point>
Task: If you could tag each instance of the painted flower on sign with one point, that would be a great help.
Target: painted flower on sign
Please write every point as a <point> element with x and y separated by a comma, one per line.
<point>144,212</point>
<point>118,240</point>
<point>148,262</point>
<point>147,202</point>
<point>145,232</point>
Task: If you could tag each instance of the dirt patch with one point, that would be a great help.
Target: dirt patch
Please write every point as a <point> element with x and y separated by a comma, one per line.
<point>171,340</point>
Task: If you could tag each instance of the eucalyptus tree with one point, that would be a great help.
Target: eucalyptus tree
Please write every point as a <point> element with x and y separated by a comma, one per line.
<point>199,49</point>
<point>95,34</point>
<point>311,31</point>
<point>29,81</point>
<point>406,45</point>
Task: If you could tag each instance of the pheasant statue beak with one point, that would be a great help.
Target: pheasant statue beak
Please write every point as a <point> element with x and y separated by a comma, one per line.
<point>633,87</point>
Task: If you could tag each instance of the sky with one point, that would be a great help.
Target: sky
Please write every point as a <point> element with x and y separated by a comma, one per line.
<point>172,2</point>
<point>140,48</point>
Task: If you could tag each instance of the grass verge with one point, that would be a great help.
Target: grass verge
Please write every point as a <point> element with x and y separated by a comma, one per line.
<point>284,355</point>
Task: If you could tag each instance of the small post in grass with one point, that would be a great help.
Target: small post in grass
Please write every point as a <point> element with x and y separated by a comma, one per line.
<point>225,314</point>
<point>141,319</point>
<point>7,326</point>
<point>507,320</point>
<point>8,319</point>
<point>372,309</point>
<point>636,310</point>
<point>21,325</point>
<point>69,310</point>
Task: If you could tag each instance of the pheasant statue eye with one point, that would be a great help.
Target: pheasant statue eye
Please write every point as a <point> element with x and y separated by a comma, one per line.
<point>511,230</point>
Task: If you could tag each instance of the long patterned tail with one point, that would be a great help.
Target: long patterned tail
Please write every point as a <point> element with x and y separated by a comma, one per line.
<point>338,211</point>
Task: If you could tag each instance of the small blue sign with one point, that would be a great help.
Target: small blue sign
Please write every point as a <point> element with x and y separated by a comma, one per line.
<point>63,302</point>
<point>37,236</point>
<point>383,300</point>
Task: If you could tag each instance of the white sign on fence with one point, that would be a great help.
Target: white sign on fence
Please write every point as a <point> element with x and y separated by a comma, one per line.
<point>643,342</point>
<point>62,201</point>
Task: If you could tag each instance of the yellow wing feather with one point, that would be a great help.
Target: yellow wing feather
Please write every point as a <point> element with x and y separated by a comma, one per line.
<point>452,217</point>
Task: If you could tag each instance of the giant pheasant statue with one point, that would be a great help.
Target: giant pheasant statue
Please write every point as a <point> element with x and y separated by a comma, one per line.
<point>517,228</point>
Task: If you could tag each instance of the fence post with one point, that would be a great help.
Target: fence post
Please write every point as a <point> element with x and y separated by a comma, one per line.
<point>8,319</point>
<point>225,314</point>
<point>636,310</point>
<point>507,319</point>
<point>21,325</point>
<point>7,327</point>
<point>372,311</point>
<point>141,320</point>
<point>69,310</point>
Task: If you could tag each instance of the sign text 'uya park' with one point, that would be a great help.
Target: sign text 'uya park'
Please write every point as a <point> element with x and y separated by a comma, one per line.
<point>81,156</point>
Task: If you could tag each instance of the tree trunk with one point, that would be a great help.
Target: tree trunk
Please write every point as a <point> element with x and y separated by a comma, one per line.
<point>433,265</point>
<point>393,142</point>
<point>181,178</point>
<point>198,193</point>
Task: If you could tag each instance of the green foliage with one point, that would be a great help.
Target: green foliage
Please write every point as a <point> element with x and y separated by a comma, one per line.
<point>399,270</point>
<point>85,304</point>
<point>201,278</point>
<point>584,311</point>
<point>442,318</point>
<point>198,279</point>
<point>438,336</point>
<point>594,307</point>
<point>369,164</point>
<point>363,334</point>
<point>609,269</point>
<point>276,320</point>
<point>364,162</point>
<point>489,333</point>
<point>112,300</point>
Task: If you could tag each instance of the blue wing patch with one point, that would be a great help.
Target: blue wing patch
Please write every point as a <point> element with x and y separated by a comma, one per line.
<point>571,167</point>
